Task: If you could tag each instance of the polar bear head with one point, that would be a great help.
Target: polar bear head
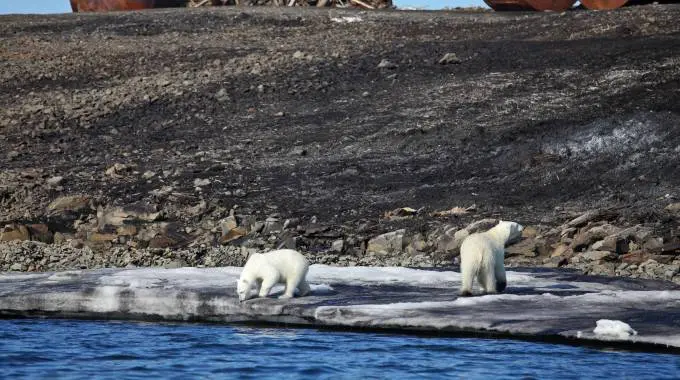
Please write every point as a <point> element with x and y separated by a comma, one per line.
<point>244,288</point>
<point>510,230</point>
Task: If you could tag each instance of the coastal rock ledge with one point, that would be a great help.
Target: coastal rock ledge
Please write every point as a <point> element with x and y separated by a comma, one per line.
<point>547,305</point>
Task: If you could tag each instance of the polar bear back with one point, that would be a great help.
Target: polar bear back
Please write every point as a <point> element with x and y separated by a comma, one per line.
<point>286,262</point>
<point>483,244</point>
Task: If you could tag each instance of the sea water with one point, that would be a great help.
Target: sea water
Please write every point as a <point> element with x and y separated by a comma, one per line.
<point>51,348</point>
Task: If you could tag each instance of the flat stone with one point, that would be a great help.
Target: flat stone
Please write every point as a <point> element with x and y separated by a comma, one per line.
<point>126,230</point>
<point>131,214</point>
<point>562,250</point>
<point>585,238</point>
<point>228,224</point>
<point>597,255</point>
<point>16,267</point>
<point>101,237</point>
<point>233,234</point>
<point>15,231</point>
<point>391,242</point>
<point>673,207</point>
<point>635,257</point>
<point>70,204</point>
<point>526,247</point>
<point>529,232</point>
<point>449,58</point>
<point>614,243</point>
<point>338,246</point>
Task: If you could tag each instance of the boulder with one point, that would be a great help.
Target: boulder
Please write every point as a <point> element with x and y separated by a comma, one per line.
<point>673,207</point>
<point>70,207</point>
<point>391,242</point>
<point>635,257</point>
<point>596,256</point>
<point>15,231</point>
<point>526,247</point>
<point>613,243</point>
<point>587,237</point>
<point>562,250</point>
<point>136,213</point>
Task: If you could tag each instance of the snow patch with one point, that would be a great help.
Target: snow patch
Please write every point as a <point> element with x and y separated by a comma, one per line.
<point>319,273</point>
<point>346,19</point>
<point>633,135</point>
<point>614,329</point>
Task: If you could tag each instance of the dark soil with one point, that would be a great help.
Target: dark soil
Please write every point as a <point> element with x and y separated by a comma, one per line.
<point>286,111</point>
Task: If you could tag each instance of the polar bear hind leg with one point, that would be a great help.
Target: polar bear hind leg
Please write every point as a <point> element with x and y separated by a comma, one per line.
<point>304,288</point>
<point>296,281</point>
<point>487,278</point>
<point>501,282</point>
<point>469,270</point>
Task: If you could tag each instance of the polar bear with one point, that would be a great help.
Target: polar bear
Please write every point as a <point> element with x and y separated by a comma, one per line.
<point>482,256</point>
<point>264,270</point>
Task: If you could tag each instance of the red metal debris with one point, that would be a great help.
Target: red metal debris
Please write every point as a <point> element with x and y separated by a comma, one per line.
<point>122,5</point>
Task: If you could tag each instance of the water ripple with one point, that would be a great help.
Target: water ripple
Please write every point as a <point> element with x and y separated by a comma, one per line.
<point>120,350</point>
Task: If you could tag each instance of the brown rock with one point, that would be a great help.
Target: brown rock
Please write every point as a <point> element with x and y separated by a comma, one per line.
<point>72,204</point>
<point>59,238</point>
<point>14,232</point>
<point>562,250</point>
<point>233,234</point>
<point>526,247</point>
<point>127,230</point>
<point>585,238</point>
<point>162,241</point>
<point>41,233</point>
<point>101,237</point>
<point>529,232</point>
<point>481,225</point>
<point>616,244</point>
<point>591,216</point>
<point>555,262</point>
<point>228,224</point>
<point>597,256</point>
<point>391,242</point>
<point>131,214</point>
<point>635,257</point>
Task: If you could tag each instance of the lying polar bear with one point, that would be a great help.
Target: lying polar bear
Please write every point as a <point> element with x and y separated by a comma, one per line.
<point>482,256</point>
<point>264,270</point>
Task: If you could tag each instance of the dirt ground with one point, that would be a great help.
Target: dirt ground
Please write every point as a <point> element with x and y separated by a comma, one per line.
<point>306,112</point>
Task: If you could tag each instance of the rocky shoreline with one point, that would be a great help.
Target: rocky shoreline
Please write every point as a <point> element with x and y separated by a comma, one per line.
<point>193,137</point>
<point>78,235</point>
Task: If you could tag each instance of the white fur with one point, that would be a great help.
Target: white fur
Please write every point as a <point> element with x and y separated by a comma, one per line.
<point>264,270</point>
<point>482,256</point>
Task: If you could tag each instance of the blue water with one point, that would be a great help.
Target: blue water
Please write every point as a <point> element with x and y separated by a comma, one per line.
<point>35,348</point>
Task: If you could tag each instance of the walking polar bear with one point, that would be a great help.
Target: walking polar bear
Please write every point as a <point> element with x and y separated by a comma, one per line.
<point>264,270</point>
<point>482,256</point>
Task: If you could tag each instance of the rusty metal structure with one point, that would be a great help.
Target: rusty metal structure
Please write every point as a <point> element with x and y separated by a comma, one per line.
<point>497,5</point>
<point>552,5</point>
<point>122,5</point>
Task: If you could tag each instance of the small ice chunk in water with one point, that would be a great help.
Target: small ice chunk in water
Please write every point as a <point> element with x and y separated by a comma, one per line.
<point>614,329</point>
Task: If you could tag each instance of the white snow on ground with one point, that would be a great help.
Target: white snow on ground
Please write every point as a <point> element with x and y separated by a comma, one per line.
<point>614,329</point>
<point>346,19</point>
